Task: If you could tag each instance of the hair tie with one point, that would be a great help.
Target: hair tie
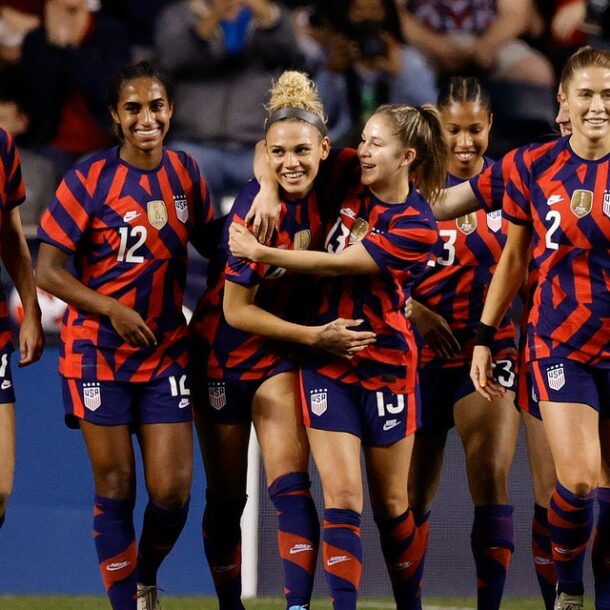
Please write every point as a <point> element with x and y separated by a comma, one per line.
<point>296,113</point>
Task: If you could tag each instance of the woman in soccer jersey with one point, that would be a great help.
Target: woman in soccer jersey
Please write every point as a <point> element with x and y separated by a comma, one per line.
<point>126,215</point>
<point>446,307</point>
<point>378,246</point>
<point>558,206</point>
<point>16,258</point>
<point>243,362</point>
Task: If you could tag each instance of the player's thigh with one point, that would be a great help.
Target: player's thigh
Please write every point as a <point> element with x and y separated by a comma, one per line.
<point>540,459</point>
<point>277,418</point>
<point>387,470</point>
<point>167,455</point>
<point>111,454</point>
<point>7,450</point>
<point>572,430</point>
<point>425,469</point>
<point>488,431</point>
<point>337,458</point>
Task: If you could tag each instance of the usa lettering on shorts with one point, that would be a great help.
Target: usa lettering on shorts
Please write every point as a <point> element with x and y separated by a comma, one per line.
<point>217,395</point>
<point>318,400</point>
<point>556,377</point>
<point>92,395</point>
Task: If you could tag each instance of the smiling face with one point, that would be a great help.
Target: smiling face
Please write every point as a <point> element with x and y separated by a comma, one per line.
<point>384,160</point>
<point>143,113</point>
<point>466,126</point>
<point>588,104</point>
<point>295,150</point>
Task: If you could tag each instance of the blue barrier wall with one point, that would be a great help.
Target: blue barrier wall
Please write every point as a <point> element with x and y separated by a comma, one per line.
<point>46,544</point>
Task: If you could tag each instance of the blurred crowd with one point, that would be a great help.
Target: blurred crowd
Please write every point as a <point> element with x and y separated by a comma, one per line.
<point>57,58</point>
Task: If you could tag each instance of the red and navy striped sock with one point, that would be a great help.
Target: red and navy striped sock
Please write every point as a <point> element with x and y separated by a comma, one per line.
<point>160,531</point>
<point>492,547</point>
<point>298,535</point>
<point>403,549</point>
<point>342,554</point>
<point>222,545</point>
<point>543,556</point>
<point>115,542</point>
<point>571,523</point>
<point>601,551</point>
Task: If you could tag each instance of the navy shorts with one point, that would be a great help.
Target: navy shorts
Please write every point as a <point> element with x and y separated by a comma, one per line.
<point>564,380</point>
<point>442,388</point>
<point>114,403</point>
<point>226,402</point>
<point>378,418</point>
<point>7,391</point>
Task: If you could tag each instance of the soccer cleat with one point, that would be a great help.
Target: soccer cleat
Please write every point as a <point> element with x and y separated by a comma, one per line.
<point>568,602</point>
<point>297,608</point>
<point>147,597</point>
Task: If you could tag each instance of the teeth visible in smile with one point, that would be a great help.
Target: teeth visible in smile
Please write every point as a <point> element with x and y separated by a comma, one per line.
<point>293,175</point>
<point>147,132</point>
<point>367,166</point>
<point>464,156</point>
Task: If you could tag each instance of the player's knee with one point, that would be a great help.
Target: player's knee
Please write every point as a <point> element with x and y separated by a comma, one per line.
<point>343,497</point>
<point>115,483</point>
<point>171,494</point>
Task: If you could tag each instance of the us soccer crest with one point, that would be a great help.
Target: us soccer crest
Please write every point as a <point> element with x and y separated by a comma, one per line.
<point>607,203</point>
<point>467,224</point>
<point>359,229</point>
<point>157,213</point>
<point>556,377</point>
<point>494,220</point>
<point>92,396</point>
<point>182,208</point>
<point>581,202</point>
<point>217,395</point>
<point>318,402</point>
<point>302,239</point>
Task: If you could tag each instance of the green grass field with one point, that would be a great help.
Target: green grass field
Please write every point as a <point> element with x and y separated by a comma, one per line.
<point>208,603</point>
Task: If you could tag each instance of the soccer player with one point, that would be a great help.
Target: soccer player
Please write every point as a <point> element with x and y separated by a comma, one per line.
<point>244,366</point>
<point>378,246</point>
<point>16,258</point>
<point>446,307</point>
<point>126,215</point>
<point>558,206</point>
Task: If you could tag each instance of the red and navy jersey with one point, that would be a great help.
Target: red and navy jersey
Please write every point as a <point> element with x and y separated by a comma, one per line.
<point>12,194</point>
<point>228,353</point>
<point>456,285</point>
<point>566,201</point>
<point>447,16</point>
<point>400,238</point>
<point>128,230</point>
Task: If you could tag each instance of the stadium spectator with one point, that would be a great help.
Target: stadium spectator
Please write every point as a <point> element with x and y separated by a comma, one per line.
<point>16,258</point>
<point>126,215</point>
<point>70,60</point>
<point>222,55</point>
<point>17,18</point>
<point>363,62</point>
<point>38,171</point>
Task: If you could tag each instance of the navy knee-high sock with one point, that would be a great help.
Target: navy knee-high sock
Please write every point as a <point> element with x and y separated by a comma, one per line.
<point>115,542</point>
<point>298,535</point>
<point>403,548</point>
<point>160,531</point>
<point>222,545</point>
<point>601,551</point>
<point>543,556</point>
<point>571,523</point>
<point>492,547</point>
<point>342,554</point>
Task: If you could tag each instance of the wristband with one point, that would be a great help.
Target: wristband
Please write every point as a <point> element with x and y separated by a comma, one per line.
<point>484,335</point>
